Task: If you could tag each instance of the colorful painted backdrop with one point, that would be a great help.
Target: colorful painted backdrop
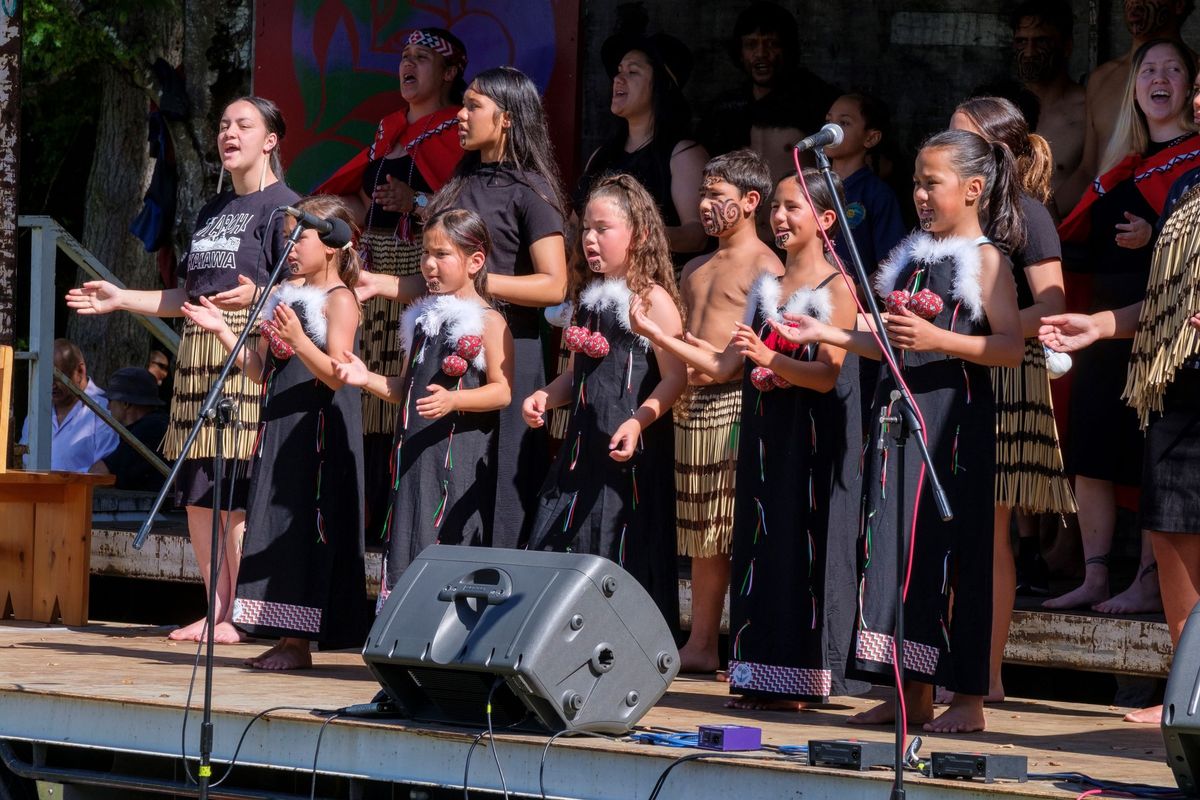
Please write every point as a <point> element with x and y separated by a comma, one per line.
<point>331,65</point>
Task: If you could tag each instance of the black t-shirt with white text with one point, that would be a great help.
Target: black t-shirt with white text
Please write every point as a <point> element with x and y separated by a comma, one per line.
<point>231,239</point>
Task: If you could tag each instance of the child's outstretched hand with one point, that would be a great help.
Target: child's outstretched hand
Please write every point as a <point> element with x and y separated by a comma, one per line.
<point>238,298</point>
<point>907,331</point>
<point>802,330</point>
<point>438,403</point>
<point>352,372</point>
<point>288,326</point>
<point>1067,333</point>
<point>751,346</point>
<point>205,314</point>
<point>624,441</point>
<point>640,321</point>
<point>534,409</point>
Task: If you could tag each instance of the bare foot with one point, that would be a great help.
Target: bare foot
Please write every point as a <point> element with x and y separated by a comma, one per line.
<point>942,696</point>
<point>722,675</point>
<point>964,715</point>
<point>698,660</point>
<point>288,654</point>
<point>1146,716</point>
<point>226,633</point>
<point>1140,598</point>
<point>918,702</point>
<point>188,633</point>
<point>763,704</point>
<point>1085,596</point>
<point>253,661</point>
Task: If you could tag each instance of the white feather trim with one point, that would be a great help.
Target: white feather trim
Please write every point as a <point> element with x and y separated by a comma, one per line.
<point>443,315</point>
<point>924,249</point>
<point>611,294</point>
<point>309,298</point>
<point>807,300</point>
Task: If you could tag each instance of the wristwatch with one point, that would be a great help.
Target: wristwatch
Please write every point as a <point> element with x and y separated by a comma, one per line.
<point>420,200</point>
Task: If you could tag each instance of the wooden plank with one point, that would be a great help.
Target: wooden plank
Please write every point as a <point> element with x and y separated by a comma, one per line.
<point>1095,643</point>
<point>16,559</point>
<point>6,377</point>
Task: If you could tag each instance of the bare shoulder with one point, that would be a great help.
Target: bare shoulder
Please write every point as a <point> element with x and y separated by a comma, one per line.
<point>765,260</point>
<point>339,304</point>
<point>694,264</point>
<point>493,321</point>
<point>1100,81</point>
<point>992,260</point>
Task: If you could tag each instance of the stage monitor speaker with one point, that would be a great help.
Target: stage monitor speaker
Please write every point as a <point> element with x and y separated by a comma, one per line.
<point>568,641</point>
<point>1181,709</point>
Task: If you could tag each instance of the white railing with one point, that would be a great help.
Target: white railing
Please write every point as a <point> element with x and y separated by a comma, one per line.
<point>47,237</point>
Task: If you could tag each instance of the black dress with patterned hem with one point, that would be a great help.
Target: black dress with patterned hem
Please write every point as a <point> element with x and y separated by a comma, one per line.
<point>302,572</point>
<point>444,473</point>
<point>623,511</point>
<point>944,644</point>
<point>798,489</point>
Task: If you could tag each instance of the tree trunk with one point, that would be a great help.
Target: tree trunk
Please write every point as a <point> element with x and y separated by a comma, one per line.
<point>10,137</point>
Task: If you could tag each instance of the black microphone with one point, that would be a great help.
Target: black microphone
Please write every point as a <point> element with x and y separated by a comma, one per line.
<point>332,232</point>
<point>831,134</point>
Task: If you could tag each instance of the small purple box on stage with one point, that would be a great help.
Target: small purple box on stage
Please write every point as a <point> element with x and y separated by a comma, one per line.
<point>730,737</point>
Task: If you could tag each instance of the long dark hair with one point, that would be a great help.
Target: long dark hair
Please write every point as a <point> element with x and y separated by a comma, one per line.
<point>528,148</point>
<point>973,156</point>
<point>999,120</point>
<point>273,119</point>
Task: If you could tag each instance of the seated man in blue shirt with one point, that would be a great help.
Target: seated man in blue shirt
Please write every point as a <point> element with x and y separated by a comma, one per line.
<point>78,438</point>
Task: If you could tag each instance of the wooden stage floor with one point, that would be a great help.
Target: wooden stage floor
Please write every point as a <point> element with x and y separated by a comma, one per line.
<point>122,688</point>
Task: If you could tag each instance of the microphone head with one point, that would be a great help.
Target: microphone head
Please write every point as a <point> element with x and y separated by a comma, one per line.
<point>836,132</point>
<point>339,233</point>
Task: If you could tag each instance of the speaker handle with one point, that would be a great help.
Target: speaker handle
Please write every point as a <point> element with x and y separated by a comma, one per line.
<point>468,587</point>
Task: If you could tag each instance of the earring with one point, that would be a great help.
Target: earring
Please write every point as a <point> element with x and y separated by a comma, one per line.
<point>220,179</point>
<point>262,175</point>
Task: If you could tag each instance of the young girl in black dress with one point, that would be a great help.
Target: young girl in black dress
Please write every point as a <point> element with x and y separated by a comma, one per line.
<point>611,489</point>
<point>457,377</point>
<point>799,438</point>
<point>952,312</point>
<point>302,576</point>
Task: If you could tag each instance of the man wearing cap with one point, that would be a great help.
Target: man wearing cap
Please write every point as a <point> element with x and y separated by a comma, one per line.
<point>78,438</point>
<point>133,400</point>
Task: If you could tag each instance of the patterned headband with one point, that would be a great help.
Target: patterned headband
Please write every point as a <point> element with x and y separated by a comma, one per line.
<point>439,45</point>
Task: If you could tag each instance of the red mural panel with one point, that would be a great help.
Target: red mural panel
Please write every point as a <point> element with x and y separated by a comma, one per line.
<point>331,65</point>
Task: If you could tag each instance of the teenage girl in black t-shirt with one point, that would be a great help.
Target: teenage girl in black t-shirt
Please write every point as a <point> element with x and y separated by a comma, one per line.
<point>237,240</point>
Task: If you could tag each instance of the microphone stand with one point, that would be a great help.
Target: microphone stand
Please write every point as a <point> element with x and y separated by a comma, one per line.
<point>219,410</point>
<point>900,426</point>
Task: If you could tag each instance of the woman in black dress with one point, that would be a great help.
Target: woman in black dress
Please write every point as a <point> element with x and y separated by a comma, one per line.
<point>651,141</point>
<point>509,178</point>
<point>1154,143</point>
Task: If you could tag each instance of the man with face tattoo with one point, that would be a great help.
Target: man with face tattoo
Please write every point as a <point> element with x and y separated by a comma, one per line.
<point>781,94</point>
<point>1146,20</point>
<point>1042,31</point>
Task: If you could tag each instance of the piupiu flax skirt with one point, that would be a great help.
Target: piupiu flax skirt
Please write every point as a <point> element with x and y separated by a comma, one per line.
<point>706,446</point>
<point>1029,462</point>
<point>381,325</point>
<point>201,356</point>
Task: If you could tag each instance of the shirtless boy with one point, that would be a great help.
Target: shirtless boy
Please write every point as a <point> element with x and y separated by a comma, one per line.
<point>714,288</point>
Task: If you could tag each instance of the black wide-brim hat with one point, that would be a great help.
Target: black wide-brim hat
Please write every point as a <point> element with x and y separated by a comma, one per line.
<point>135,386</point>
<point>662,48</point>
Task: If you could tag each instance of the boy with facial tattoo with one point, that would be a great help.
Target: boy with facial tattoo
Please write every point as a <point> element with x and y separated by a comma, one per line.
<point>714,289</point>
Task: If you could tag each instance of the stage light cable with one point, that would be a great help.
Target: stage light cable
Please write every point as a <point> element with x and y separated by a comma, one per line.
<point>552,740</point>
<point>312,792</point>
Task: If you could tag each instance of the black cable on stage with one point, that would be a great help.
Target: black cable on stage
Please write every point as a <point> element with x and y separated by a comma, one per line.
<point>546,751</point>
<point>758,756</point>
<point>312,792</point>
<point>467,766</point>
<point>242,738</point>
<point>492,738</point>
